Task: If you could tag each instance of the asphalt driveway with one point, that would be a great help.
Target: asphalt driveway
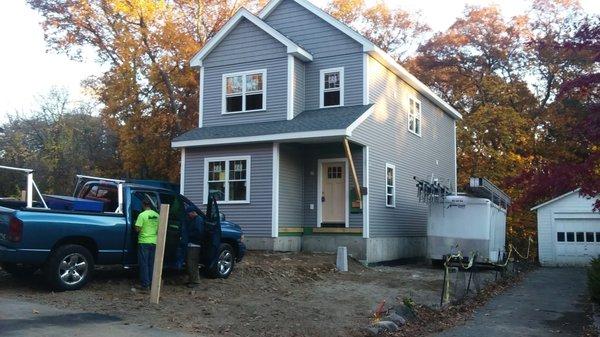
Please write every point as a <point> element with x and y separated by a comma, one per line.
<point>549,302</point>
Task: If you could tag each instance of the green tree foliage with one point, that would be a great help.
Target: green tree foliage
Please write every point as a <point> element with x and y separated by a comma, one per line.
<point>57,140</point>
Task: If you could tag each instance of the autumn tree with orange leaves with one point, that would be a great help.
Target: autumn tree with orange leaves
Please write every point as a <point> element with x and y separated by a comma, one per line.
<point>149,92</point>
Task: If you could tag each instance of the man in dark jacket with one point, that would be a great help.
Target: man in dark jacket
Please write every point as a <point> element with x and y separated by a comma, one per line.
<point>194,230</point>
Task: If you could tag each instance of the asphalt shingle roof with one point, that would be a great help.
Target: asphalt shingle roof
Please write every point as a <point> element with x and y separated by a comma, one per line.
<point>308,120</point>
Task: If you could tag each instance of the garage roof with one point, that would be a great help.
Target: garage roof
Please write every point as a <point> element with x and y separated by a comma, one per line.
<point>555,199</point>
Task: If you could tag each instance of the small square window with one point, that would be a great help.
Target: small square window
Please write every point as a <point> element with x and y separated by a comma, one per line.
<point>589,237</point>
<point>560,237</point>
<point>570,237</point>
<point>579,236</point>
<point>597,236</point>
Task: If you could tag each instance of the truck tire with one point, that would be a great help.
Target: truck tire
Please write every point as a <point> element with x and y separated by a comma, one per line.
<point>69,267</point>
<point>20,271</point>
<point>223,267</point>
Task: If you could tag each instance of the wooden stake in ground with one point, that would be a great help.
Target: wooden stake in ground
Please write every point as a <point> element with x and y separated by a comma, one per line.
<point>160,253</point>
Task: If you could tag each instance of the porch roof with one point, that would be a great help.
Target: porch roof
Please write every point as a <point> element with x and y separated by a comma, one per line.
<point>316,123</point>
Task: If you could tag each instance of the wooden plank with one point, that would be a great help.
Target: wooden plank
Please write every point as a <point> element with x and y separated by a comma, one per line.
<point>353,169</point>
<point>337,230</point>
<point>160,253</point>
<point>291,230</point>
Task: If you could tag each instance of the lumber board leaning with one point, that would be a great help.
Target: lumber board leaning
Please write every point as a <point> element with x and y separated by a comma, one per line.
<point>160,253</point>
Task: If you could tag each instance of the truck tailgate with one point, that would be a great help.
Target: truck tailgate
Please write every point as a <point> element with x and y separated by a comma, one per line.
<point>5,215</point>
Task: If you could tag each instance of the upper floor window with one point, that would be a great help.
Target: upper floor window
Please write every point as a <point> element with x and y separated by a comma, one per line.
<point>227,179</point>
<point>414,116</point>
<point>390,185</point>
<point>244,91</point>
<point>332,87</point>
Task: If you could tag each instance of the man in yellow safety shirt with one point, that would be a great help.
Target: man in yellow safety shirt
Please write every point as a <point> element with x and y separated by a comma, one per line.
<point>147,227</point>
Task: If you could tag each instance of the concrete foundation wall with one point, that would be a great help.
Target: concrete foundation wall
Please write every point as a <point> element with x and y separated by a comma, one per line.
<point>371,250</point>
<point>394,248</point>
<point>280,244</point>
<point>330,243</point>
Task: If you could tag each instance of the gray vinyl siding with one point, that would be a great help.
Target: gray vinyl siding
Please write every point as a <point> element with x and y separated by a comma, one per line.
<point>386,133</point>
<point>329,46</point>
<point>245,43</point>
<point>247,47</point>
<point>291,184</point>
<point>353,74</point>
<point>312,153</point>
<point>299,86</point>
<point>255,217</point>
<point>310,32</point>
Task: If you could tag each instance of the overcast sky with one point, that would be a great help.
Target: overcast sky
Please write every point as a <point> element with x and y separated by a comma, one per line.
<point>28,70</point>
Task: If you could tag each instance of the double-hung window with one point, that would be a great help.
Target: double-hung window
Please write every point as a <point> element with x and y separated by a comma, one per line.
<point>414,116</point>
<point>227,179</point>
<point>331,87</point>
<point>245,91</point>
<point>390,185</point>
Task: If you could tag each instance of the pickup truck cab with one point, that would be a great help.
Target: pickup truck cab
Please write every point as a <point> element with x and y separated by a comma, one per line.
<point>67,236</point>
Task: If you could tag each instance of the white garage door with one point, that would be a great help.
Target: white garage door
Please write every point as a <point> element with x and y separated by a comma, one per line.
<point>577,241</point>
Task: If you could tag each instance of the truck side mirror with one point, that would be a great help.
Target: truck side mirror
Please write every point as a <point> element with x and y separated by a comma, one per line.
<point>222,216</point>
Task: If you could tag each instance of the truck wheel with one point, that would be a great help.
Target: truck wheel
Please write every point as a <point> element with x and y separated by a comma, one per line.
<point>69,267</point>
<point>225,262</point>
<point>18,270</point>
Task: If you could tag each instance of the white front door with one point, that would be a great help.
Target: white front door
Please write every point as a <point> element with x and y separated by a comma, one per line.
<point>333,192</point>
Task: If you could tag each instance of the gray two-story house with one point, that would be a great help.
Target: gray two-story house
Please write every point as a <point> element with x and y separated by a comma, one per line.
<point>309,136</point>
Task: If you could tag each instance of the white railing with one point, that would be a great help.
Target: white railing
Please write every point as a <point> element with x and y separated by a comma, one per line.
<point>31,185</point>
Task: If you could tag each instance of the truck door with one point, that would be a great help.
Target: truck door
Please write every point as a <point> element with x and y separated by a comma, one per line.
<point>134,209</point>
<point>174,251</point>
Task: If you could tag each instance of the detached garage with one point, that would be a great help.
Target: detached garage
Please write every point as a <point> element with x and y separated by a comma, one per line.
<point>568,230</point>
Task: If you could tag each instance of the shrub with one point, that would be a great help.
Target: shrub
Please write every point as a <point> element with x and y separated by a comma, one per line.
<point>594,279</point>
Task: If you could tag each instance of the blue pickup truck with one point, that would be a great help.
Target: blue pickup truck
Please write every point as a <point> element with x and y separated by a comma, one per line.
<point>66,237</point>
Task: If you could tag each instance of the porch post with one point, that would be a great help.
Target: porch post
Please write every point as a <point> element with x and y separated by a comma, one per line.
<point>366,196</point>
<point>275,191</point>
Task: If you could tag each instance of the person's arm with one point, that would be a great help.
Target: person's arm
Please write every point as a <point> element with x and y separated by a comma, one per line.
<point>139,222</point>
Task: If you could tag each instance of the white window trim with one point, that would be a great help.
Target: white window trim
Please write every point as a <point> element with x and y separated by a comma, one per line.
<point>322,86</point>
<point>243,74</point>
<point>393,167</point>
<point>227,160</point>
<point>408,114</point>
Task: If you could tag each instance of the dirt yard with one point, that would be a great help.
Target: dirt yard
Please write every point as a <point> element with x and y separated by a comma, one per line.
<point>268,294</point>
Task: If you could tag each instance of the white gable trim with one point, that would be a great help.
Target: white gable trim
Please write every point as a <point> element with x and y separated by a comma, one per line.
<point>243,13</point>
<point>372,49</point>
<point>555,199</point>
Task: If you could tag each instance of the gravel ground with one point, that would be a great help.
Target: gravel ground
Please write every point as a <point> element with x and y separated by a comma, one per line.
<point>268,294</point>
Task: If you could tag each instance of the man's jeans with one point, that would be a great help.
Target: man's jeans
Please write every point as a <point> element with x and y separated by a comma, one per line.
<point>146,262</point>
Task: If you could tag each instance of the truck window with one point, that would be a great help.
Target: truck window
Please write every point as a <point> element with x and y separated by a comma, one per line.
<point>105,193</point>
<point>136,203</point>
